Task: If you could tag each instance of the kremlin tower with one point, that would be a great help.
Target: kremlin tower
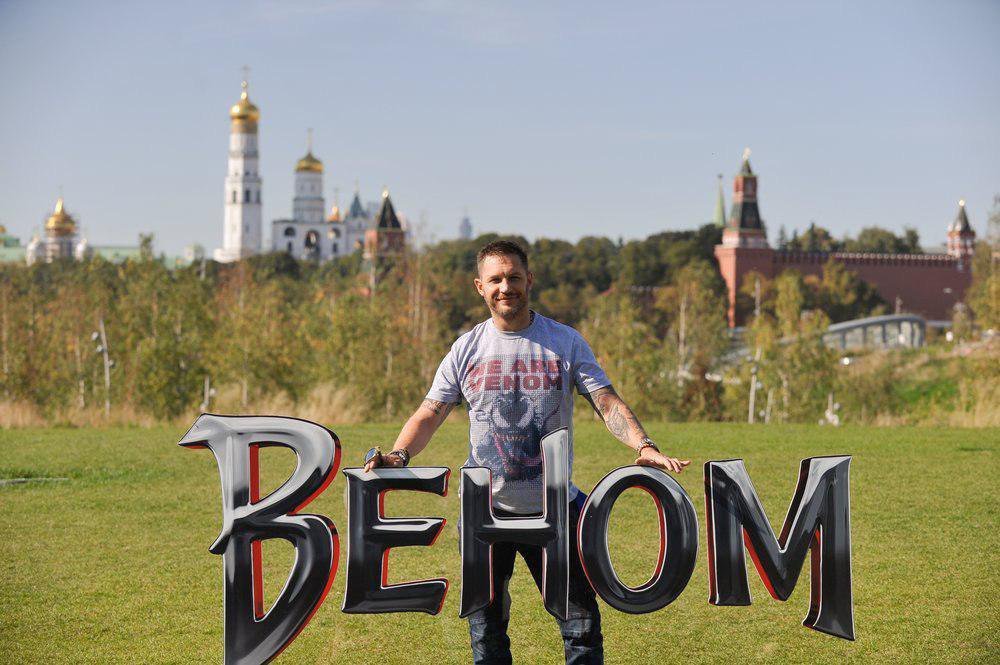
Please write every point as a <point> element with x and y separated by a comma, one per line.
<point>242,227</point>
<point>961,238</point>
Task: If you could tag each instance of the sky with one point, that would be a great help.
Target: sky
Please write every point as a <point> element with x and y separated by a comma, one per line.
<point>545,119</point>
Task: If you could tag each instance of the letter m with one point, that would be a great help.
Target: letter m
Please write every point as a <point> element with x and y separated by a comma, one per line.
<point>819,518</point>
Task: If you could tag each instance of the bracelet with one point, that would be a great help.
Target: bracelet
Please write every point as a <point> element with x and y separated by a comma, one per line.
<point>402,454</point>
<point>646,443</point>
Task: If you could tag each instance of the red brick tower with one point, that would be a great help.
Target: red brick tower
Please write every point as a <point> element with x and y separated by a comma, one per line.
<point>961,238</point>
<point>744,241</point>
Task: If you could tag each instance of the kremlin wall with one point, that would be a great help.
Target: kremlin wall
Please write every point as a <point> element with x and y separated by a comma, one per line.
<point>925,284</point>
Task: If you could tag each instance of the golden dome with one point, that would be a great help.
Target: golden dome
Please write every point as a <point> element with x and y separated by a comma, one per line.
<point>3,230</point>
<point>334,215</point>
<point>309,163</point>
<point>244,114</point>
<point>60,223</point>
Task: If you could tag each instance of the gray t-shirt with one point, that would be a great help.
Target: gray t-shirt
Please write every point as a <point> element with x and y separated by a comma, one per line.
<point>519,387</point>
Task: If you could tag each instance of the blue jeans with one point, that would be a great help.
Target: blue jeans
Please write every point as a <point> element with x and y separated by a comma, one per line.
<point>583,643</point>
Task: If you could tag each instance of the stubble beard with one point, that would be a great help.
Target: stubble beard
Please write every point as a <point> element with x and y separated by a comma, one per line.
<point>513,312</point>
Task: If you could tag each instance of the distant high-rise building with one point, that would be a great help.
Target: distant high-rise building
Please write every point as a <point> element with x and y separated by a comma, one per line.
<point>241,231</point>
<point>465,228</point>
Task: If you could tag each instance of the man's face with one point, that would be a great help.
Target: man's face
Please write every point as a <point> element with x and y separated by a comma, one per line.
<point>504,284</point>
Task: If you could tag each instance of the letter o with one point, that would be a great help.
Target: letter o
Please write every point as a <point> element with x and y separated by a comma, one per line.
<point>678,528</point>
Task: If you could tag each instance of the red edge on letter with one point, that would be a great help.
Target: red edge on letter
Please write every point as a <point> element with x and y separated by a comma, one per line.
<point>760,569</point>
<point>256,551</point>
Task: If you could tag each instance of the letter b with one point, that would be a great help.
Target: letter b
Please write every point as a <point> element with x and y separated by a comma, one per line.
<point>250,635</point>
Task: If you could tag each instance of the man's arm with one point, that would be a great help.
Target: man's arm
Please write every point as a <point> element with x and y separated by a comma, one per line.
<point>623,424</point>
<point>416,433</point>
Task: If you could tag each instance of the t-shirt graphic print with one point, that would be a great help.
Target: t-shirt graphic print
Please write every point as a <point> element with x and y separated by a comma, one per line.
<point>518,387</point>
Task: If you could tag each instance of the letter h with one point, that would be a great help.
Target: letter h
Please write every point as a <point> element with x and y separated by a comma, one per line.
<point>480,529</point>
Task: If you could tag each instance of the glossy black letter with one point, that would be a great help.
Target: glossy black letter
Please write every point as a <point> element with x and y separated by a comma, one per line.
<point>252,636</point>
<point>818,519</point>
<point>372,535</point>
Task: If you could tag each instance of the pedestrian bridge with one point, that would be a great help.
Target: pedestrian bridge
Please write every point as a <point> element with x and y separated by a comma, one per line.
<point>892,331</point>
<point>878,332</point>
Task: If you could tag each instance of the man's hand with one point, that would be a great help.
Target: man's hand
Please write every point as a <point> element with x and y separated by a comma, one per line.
<point>415,433</point>
<point>387,460</point>
<point>649,456</point>
<point>623,424</point>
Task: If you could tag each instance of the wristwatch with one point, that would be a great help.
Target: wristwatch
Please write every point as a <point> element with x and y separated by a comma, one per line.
<point>646,443</point>
<point>401,453</point>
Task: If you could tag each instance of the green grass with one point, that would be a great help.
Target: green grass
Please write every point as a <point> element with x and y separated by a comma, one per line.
<point>112,565</point>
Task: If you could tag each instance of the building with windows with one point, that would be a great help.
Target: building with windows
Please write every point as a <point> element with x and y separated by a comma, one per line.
<point>307,235</point>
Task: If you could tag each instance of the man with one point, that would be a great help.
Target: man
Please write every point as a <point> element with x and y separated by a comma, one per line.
<point>517,371</point>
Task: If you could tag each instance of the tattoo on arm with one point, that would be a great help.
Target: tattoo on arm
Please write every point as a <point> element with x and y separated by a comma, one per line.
<point>440,409</point>
<point>601,399</point>
<point>617,415</point>
<point>617,424</point>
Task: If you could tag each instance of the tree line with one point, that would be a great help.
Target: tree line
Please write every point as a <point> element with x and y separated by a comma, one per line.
<point>77,336</point>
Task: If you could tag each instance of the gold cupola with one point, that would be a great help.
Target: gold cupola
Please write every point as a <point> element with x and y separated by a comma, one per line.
<point>60,223</point>
<point>309,163</point>
<point>244,114</point>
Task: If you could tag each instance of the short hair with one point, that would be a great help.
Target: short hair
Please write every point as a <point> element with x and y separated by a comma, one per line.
<point>502,248</point>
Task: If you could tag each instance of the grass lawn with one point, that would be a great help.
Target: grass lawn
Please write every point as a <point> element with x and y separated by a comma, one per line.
<point>112,565</point>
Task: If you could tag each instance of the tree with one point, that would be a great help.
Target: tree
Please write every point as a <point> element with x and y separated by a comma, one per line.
<point>815,239</point>
<point>699,332</point>
<point>882,241</point>
<point>843,296</point>
<point>787,356</point>
<point>782,237</point>
<point>983,295</point>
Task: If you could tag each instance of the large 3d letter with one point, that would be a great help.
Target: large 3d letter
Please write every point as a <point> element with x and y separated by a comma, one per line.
<point>678,529</point>
<point>251,636</point>
<point>372,535</point>
<point>480,528</point>
<point>819,518</point>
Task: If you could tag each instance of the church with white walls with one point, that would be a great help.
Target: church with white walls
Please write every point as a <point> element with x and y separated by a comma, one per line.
<point>310,233</point>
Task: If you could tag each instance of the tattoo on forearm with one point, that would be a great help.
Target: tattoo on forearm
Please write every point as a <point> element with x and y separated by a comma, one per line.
<point>602,399</point>
<point>617,415</point>
<point>617,424</point>
<point>438,408</point>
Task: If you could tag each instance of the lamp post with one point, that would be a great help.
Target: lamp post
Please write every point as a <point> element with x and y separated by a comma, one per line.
<point>101,336</point>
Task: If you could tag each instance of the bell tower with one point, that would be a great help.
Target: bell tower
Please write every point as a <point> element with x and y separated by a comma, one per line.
<point>308,205</point>
<point>241,231</point>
